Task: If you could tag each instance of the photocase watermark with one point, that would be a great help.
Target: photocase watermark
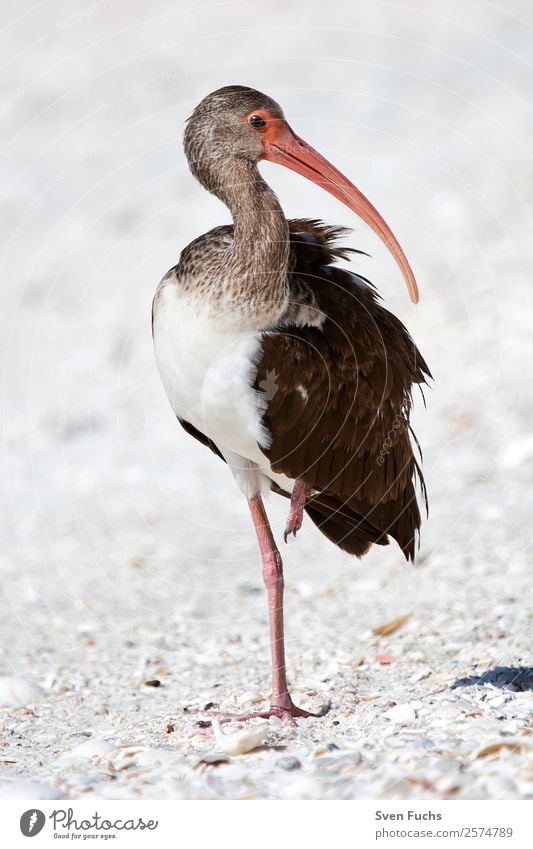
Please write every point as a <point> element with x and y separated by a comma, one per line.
<point>389,440</point>
<point>437,155</point>
<point>356,158</point>
<point>41,196</point>
<point>10,101</point>
<point>83,14</point>
<point>32,822</point>
<point>63,405</point>
<point>184,72</point>
<point>65,824</point>
<point>268,387</point>
<point>525,202</point>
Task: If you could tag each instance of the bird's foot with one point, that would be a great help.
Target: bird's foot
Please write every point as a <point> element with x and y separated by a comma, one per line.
<point>296,510</point>
<point>294,523</point>
<point>286,712</point>
<point>283,708</point>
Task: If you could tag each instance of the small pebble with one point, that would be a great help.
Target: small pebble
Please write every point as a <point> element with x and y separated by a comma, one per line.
<point>288,762</point>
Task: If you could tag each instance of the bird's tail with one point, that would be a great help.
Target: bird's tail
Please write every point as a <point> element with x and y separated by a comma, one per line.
<point>342,526</point>
<point>354,526</point>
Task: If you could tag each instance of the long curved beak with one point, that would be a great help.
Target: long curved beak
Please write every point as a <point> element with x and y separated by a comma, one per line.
<point>283,146</point>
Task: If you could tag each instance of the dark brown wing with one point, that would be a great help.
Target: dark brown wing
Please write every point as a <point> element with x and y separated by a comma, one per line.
<point>339,418</point>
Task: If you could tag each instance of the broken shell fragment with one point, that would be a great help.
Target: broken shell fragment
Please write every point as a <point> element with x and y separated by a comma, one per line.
<point>239,742</point>
<point>18,692</point>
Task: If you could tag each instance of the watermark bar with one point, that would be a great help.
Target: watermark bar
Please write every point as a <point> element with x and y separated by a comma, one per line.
<point>258,824</point>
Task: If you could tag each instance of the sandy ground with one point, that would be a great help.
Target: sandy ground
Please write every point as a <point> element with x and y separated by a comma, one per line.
<point>127,551</point>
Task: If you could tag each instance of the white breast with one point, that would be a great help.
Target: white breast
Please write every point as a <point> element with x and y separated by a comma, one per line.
<point>208,369</point>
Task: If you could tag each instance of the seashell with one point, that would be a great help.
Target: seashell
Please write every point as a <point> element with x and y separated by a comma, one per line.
<point>89,749</point>
<point>153,757</point>
<point>128,752</point>
<point>305,788</point>
<point>421,674</point>
<point>449,784</point>
<point>212,759</point>
<point>240,742</point>
<point>225,788</point>
<point>400,714</point>
<point>250,698</point>
<point>513,744</point>
<point>18,692</point>
<point>384,658</point>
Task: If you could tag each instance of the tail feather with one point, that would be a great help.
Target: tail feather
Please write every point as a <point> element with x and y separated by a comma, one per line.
<point>353,526</point>
<point>350,532</point>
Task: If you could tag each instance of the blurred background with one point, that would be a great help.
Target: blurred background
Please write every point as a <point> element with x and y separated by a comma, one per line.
<point>117,526</point>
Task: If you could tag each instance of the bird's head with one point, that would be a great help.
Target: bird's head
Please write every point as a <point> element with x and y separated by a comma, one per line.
<point>240,123</point>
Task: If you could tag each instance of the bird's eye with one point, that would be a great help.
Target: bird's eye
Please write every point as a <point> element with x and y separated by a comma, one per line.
<point>256,121</point>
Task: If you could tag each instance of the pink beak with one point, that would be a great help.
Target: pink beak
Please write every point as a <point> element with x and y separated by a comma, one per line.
<point>286,148</point>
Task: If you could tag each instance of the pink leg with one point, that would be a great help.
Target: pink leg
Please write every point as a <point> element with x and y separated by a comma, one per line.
<point>299,496</point>
<point>281,704</point>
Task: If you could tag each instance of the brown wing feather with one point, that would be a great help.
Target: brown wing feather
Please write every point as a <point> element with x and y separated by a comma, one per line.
<point>340,417</point>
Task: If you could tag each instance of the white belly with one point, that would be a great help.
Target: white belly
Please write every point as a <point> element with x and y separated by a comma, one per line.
<point>208,371</point>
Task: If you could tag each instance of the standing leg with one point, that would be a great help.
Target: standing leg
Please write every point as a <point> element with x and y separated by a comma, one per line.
<point>281,703</point>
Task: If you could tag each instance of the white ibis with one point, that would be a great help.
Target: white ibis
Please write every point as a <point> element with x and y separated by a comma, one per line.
<point>285,366</point>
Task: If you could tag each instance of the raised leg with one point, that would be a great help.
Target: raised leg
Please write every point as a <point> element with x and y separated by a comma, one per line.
<point>299,496</point>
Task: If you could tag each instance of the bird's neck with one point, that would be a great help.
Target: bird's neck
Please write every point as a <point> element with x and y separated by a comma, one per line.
<point>259,257</point>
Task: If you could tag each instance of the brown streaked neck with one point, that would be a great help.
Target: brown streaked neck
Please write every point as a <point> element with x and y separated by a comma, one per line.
<point>260,252</point>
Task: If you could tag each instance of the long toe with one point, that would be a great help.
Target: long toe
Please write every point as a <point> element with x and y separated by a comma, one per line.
<point>287,712</point>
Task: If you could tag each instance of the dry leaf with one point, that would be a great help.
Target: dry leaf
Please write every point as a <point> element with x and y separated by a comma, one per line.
<point>392,626</point>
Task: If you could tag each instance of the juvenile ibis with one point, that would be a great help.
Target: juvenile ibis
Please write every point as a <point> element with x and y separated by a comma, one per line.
<point>284,365</point>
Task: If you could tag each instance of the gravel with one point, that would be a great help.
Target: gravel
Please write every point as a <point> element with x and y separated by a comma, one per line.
<point>128,557</point>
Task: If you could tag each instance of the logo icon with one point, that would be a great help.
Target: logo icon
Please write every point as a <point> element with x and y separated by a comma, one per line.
<point>32,822</point>
<point>269,386</point>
